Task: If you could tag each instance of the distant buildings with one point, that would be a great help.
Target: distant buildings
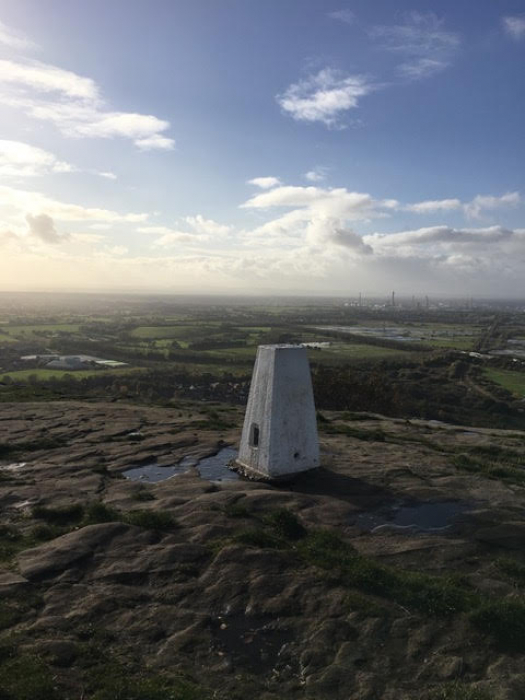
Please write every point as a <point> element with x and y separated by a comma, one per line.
<point>72,363</point>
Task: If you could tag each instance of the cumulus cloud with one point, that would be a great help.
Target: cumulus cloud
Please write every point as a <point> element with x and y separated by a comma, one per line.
<point>20,160</point>
<point>318,217</point>
<point>265,183</point>
<point>43,227</point>
<point>422,40</point>
<point>74,104</point>
<point>324,97</point>
<point>515,26</point>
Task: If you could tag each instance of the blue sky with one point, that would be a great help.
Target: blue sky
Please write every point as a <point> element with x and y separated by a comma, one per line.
<point>297,146</point>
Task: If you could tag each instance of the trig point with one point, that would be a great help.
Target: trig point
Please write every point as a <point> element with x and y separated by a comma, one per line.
<point>279,437</point>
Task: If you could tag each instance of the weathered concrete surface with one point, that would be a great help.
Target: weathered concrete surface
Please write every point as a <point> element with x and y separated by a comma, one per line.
<point>250,621</point>
<point>279,436</point>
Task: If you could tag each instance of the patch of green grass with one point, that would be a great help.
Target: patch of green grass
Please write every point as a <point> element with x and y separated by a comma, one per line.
<point>489,469</point>
<point>98,512</point>
<point>10,540</point>
<point>374,435</point>
<point>115,683</point>
<point>364,605</point>
<point>510,380</point>
<point>27,677</point>
<point>60,515</point>
<point>512,568</point>
<point>504,620</point>
<point>9,616</point>
<point>150,519</point>
<point>431,595</point>
<point>286,525</point>
<point>43,375</point>
<point>235,510</point>
<point>142,495</point>
<point>257,537</point>
<point>457,691</point>
<point>48,443</point>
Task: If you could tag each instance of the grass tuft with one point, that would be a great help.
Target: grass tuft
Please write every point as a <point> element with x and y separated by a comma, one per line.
<point>504,620</point>
<point>150,519</point>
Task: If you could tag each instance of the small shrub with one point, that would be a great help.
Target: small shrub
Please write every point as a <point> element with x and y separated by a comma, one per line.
<point>286,524</point>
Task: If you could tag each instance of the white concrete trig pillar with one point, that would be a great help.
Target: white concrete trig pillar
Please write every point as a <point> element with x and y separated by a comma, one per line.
<point>279,436</point>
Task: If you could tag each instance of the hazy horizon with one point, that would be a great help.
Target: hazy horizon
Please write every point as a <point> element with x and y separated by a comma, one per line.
<point>316,148</point>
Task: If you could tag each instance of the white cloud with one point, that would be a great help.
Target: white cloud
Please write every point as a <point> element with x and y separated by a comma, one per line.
<point>473,209</point>
<point>428,47</point>
<point>431,206</point>
<point>74,105</point>
<point>317,174</point>
<point>324,97</point>
<point>346,16</point>
<point>19,160</point>
<point>107,175</point>
<point>319,217</point>
<point>265,183</point>
<point>206,226</point>
<point>515,26</point>
<point>15,204</point>
<point>482,203</point>
<point>14,39</point>
<point>438,235</point>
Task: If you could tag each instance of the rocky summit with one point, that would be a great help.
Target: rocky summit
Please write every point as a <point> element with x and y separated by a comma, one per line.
<point>394,571</point>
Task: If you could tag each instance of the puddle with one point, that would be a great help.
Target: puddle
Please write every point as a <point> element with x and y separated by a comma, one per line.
<point>154,472</point>
<point>430,516</point>
<point>213,468</point>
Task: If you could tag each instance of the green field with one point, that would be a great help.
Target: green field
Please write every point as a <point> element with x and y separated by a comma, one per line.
<point>512,381</point>
<point>24,331</point>
<point>23,375</point>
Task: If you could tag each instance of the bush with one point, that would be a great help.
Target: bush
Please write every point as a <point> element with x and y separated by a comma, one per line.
<point>286,524</point>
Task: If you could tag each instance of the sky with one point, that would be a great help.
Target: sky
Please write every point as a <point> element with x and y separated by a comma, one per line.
<point>311,147</point>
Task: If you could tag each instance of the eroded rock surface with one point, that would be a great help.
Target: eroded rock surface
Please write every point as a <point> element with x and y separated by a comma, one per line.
<point>207,598</point>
